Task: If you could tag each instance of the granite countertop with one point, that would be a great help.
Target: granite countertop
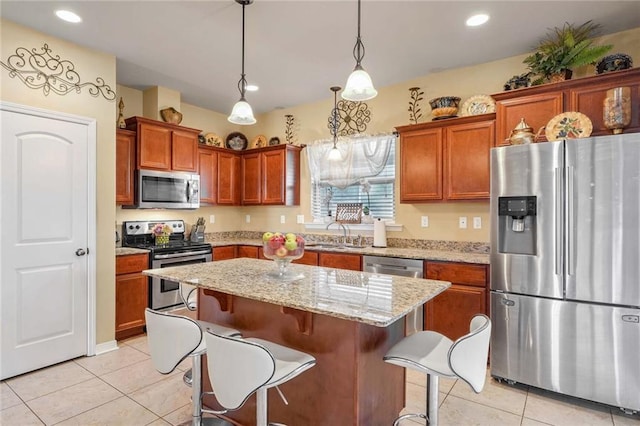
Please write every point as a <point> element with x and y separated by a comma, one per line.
<point>124,251</point>
<point>405,253</point>
<point>374,299</point>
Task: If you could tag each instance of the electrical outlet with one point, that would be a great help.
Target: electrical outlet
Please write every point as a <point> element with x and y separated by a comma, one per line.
<point>212,218</point>
<point>424,221</point>
<point>300,218</point>
<point>282,219</point>
<point>462,222</point>
<point>247,218</point>
<point>477,222</point>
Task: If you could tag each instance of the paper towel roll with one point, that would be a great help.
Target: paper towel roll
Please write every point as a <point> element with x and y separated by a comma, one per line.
<point>379,233</point>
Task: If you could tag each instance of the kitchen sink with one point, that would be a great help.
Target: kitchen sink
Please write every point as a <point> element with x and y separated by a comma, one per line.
<point>333,246</point>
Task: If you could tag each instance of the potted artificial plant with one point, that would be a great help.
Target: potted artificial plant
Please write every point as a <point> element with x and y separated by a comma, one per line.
<point>563,49</point>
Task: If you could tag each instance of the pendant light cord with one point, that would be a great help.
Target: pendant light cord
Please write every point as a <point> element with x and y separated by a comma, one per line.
<point>334,114</point>
<point>243,82</point>
<point>358,49</point>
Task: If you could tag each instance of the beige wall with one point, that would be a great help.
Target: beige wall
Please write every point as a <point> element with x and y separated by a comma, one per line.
<point>389,109</point>
<point>89,65</point>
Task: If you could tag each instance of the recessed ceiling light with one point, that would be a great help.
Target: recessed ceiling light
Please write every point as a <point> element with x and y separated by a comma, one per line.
<point>478,19</point>
<point>67,15</point>
<point>251,88</point>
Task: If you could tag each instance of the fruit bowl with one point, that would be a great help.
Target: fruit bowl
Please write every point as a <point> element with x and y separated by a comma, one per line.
<point>282,249</point>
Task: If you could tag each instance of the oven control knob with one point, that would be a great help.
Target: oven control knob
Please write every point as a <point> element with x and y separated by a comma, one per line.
<point>137,226</point>
<point>130,226</point>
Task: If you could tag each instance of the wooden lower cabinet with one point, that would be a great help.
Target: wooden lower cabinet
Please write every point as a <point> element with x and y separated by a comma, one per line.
<point>248,251</point>
<point>340,261</point>
<point>132,294</point>
<point>450,312</point>
<point>224,252</point>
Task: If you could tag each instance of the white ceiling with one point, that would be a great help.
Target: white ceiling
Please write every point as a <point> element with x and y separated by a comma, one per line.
<point>296,50</point>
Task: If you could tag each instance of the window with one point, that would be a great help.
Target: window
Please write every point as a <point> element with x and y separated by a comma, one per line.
<point>367,163</point>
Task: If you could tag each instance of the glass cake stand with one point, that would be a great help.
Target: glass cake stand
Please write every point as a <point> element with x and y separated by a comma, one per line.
<point>282,258</point>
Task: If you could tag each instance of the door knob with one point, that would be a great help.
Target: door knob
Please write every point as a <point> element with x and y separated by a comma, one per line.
<point>80,252</point>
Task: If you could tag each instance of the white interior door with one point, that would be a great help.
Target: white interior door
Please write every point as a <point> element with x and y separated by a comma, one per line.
<point>45,221</point>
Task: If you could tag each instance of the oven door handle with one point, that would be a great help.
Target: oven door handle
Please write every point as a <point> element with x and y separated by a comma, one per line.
<point>184,254</point>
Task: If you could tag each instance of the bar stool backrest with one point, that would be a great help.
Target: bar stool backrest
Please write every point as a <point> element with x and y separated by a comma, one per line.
<point>189,296</point>
<point>171,339</point>
<point>237,368</point>
<point>468,355</point>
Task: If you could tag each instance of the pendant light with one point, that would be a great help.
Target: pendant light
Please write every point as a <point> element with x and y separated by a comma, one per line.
<point>334,154</point>
<point>359,85</point>
<point>242,112</point>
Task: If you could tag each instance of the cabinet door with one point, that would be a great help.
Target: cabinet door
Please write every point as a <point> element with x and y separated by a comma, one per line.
<point>589,100</point>
<point>224,253</point>
<point>228,178</point>
<point>208,170</point>
<point>536,110</point>
<point>450,312</point>
<point>308,258</point>
<point>131,301</point>
<point>154,147</point>
<point>340,261</point>
<point>248,251</point>
<point>184,151</point>
<point>467,160</point>
<point>421,165</point>
<point>125,164</point>
<point>273,177</point>
<point>251,178</point>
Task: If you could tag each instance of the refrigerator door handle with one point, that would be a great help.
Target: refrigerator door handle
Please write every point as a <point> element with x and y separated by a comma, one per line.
<point>557,178</point>
<point>570,221</point>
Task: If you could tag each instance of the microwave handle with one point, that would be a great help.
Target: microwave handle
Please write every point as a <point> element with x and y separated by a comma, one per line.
<point>189,191</point>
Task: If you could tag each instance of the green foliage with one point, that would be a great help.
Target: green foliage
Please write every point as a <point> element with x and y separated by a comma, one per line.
<point>563,49</point>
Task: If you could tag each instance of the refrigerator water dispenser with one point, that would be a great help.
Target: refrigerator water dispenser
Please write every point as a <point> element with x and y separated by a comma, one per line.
<point>517,225</point>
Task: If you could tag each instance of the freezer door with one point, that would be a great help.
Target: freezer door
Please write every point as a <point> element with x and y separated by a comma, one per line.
<point>603,216</point>
<point>580,349</point>
<point>529,170</point>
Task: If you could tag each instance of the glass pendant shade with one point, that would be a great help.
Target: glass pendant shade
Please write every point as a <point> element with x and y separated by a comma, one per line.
<point>334,154</point>
<point>242,113</point>
<point>359,86</point>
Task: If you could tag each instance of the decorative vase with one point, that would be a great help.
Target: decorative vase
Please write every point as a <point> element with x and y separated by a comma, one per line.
<point>171,115</point>
<point>444,107</point>
<point>616,111</point>
<point>615,62</point>
<point>162,240</point>
<point>561,76</point>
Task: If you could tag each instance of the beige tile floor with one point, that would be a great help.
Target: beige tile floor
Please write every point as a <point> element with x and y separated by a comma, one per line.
<point>122,388</point>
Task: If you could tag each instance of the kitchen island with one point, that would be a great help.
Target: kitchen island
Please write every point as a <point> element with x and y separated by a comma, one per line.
<point>347,320</point>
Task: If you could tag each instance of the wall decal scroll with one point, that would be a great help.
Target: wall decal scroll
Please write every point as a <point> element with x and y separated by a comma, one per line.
<point>353,118</point>
<point>42,70</point>
<point>414,109</point>
<point>289,128</point>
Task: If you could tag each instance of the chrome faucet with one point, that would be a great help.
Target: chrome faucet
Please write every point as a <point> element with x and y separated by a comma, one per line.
<point>344,230</point>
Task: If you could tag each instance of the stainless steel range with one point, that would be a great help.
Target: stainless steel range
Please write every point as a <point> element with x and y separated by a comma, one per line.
<point>164,294</point>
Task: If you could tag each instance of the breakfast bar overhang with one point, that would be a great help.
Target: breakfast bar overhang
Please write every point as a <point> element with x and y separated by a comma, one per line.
<point>346,319</point>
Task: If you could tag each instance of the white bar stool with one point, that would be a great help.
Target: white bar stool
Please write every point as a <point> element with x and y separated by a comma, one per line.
<point>239,367</point>
<point>436,355</point>
<point>171,339</point>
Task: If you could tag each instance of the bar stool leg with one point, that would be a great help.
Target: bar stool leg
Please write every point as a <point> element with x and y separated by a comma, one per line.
<point>261,407</point>
<point>196,389</point>
<point>432,400</point>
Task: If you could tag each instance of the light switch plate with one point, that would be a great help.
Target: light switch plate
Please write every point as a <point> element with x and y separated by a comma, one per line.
<point>212,218</point>
<point>424,221</point>
<point>247,218</point>
<point>477,222</point>
<point>300,218</point>
<point>282,219</point>
<point>462,222</point>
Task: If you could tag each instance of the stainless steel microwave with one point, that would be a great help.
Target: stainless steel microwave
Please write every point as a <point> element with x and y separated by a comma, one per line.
<point>167,190</point>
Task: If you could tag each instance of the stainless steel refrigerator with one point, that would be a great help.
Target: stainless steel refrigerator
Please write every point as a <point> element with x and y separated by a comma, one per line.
<point>565,267</point>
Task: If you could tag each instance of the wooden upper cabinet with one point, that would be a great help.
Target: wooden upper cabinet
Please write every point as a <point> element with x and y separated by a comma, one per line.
<point>208,170</point>
<point>536,110</point>
<point>271,176</point>
<point>164,146</point>
<point>228,178</point>
<point>125,166</point>
<point>539,104</point>
<point>251,178</point>
<point>467,160</point>
<point>446,160</point>
<point>421,165</point>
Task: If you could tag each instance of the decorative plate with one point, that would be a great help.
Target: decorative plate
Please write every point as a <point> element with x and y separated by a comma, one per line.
<point>274,141</point>
<point>212,139</point>
<point>478,104</point>
<point>259,141</point>
<point>237,141</point>
<point>568,125</point>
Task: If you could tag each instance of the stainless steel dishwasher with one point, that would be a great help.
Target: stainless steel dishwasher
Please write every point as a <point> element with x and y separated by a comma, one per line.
<point>402,267</point>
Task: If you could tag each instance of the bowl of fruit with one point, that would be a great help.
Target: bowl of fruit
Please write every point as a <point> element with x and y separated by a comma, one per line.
<point>282,249</point>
